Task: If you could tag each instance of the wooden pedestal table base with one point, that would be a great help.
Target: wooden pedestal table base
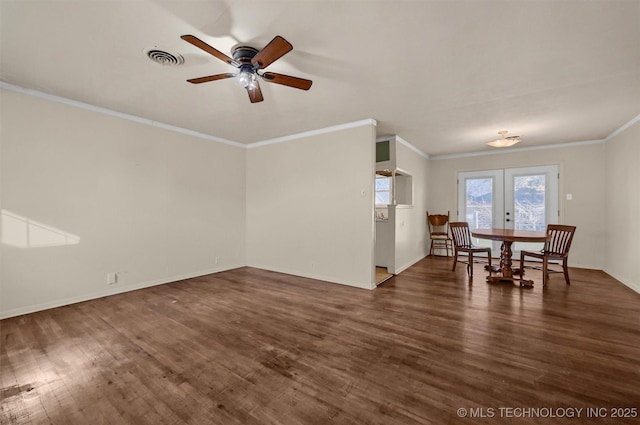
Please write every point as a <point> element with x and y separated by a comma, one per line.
<point>508,237</point>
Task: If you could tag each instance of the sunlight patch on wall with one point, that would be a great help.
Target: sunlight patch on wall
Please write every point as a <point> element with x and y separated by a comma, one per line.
<point>22,232</point>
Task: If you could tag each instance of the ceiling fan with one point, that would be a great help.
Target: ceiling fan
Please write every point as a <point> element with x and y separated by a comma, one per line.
<point>249,61</point>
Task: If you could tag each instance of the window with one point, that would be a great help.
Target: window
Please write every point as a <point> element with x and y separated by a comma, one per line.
<point>383,190</point>
<point>383,152</point>
<point>479,202</point>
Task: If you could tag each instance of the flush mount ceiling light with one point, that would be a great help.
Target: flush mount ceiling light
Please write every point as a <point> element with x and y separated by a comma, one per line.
<point>503,141</point>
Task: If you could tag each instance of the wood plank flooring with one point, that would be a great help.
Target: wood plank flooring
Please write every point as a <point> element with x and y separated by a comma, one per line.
<point>255,347</point>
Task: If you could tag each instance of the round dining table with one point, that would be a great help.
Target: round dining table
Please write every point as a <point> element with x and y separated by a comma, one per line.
<point>508,237</point>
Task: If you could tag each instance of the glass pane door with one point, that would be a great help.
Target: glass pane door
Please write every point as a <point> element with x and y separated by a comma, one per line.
<point>531,201</point>
<point>480,201</point>
<point>513,198</point>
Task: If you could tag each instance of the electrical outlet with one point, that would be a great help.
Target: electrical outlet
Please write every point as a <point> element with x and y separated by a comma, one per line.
<point>112,278</point>
<point>217,259</point>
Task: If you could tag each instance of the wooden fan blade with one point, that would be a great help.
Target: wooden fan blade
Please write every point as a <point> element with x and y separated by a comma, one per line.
<point>255,95</point>
<point>211,50</point>
<point>273,51</point>
<point>286,80</point>
<point>211,78</point>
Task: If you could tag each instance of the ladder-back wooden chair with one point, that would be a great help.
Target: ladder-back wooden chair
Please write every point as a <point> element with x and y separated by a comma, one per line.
<point>555,249</point>
<point>439,233</point>
<point>462,244</point>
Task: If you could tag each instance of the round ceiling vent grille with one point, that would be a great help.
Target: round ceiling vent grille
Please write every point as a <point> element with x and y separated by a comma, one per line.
<point>165,58</point>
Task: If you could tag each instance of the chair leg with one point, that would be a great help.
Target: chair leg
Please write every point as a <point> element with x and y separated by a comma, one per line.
<point>565,268</point>
<point>489,260</point>
<point>470,265</point>
<point>545,271</point>
<point>455,261</point>
<point>431,249</point>
<point>521,265</point>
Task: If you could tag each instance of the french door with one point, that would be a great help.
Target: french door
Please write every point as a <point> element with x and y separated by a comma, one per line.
<point>511,198</point>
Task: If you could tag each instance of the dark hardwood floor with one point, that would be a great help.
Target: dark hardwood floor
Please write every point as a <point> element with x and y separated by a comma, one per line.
<point>255,347</point>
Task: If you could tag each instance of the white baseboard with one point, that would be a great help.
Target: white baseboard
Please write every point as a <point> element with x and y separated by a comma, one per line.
<point>108,291</point>
<point>633,285</point>
<point>315,276</point>
<point>132,287</point>
<point>586,266</point>
<point>409,264</point>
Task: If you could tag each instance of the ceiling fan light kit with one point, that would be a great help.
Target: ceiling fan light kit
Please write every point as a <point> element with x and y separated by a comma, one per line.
<point>248,80</point>
<point>504,142</point>
<point>249,61</point>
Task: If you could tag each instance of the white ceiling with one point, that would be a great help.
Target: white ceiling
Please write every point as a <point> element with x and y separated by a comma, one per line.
<point>446,76</point>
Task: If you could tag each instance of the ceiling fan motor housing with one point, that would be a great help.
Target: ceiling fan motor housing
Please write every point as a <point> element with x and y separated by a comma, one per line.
<point>243,55</point>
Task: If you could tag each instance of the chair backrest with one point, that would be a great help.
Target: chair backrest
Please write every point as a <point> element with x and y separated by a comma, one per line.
<point>560,240</point>
<point>438,224</point>
<point>461,234</point>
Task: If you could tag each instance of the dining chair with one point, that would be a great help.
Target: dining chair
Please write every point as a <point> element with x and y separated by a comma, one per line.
<point>462,244</point>
<point>555,249</point>
<point>438,225</point>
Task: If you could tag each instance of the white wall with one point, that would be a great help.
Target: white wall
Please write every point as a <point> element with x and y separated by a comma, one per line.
<point>582,173</point>
<point>151,204</point>
<point>101,194</point>
<point>622,203</point>
<point>411,237</point>
<point>310,206</point>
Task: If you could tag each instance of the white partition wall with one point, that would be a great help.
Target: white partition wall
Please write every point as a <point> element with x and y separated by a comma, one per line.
<point>86,195</point>
<point>310,205</point>
<point>411,239</point>
<point>622,223</point>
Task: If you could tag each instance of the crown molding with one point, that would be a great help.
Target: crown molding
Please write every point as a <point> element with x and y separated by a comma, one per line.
<point>628,124</point>
<point>531,148</point>
<point>110,112</point>
<point>367,121</point>
<point>169,127</point>
<point>413,148</point>
<point>405,143</point>
<point>514,150</point>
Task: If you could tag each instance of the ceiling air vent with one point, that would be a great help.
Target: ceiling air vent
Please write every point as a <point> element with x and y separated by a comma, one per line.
<point>165,58</point>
